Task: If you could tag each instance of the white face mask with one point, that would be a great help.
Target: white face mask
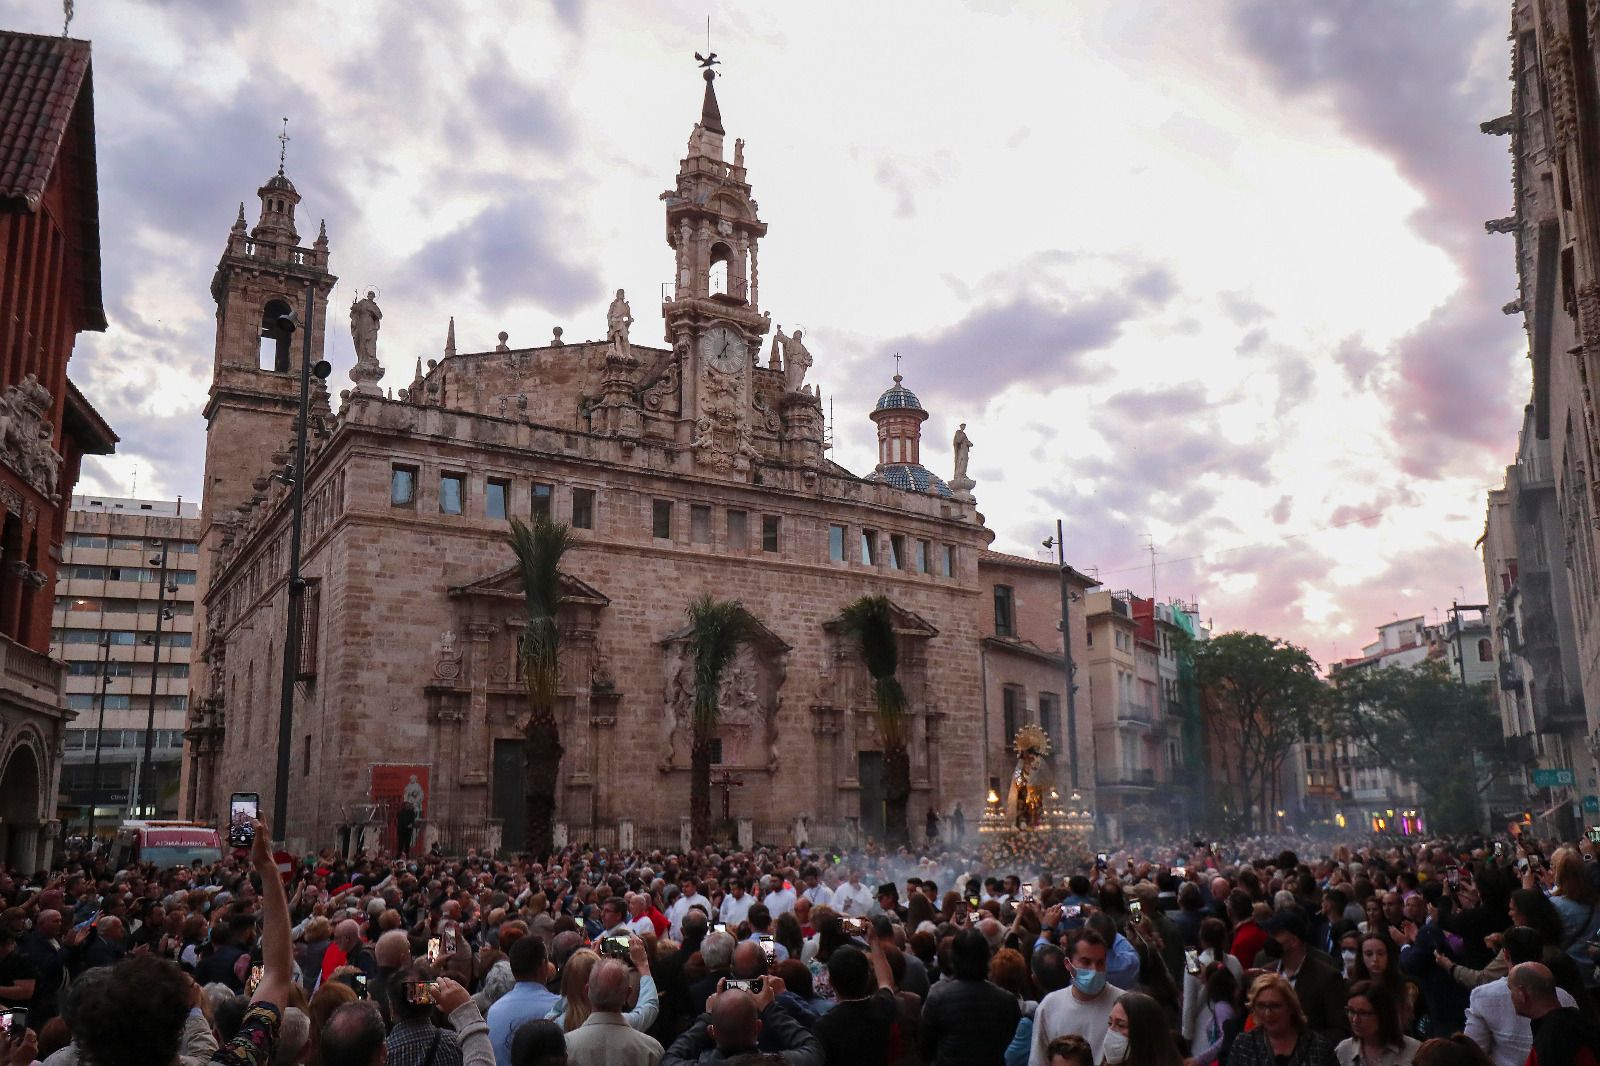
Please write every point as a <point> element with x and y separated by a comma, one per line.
<point>1114,1048</point>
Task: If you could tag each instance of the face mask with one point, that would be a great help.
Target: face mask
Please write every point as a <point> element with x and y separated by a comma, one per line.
<point>1114,1047</point>
<point>1272,949</point>
<point>1349,959</point>
<point>1089,982</point>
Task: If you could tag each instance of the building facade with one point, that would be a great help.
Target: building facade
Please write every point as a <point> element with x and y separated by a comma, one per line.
<point>698,466</point>
<point>49,293</point>
<point>126,637</point>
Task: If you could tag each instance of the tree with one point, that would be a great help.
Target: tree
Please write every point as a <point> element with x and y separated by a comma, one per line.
<point>1427,727</point>
<point>539,549</point>
<point>870,622</point>
<point>718,627</point>
<point>1260,696</point>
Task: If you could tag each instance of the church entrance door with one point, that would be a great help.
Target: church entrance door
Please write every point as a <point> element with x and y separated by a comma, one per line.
<point>509,803</point>
<point>869,770</point>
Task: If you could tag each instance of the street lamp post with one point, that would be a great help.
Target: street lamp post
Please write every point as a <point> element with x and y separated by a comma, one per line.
<point>297,585</point>
<point>146,772</point>
<point>103,682</point>
<point>1059,543</point>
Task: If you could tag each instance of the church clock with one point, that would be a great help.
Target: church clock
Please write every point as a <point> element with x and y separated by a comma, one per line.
<point>724,349</point>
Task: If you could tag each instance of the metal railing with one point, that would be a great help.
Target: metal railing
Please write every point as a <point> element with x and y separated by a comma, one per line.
<point>1126,779</point>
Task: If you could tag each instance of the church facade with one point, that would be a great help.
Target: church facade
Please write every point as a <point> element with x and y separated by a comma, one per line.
<point>696,466</point>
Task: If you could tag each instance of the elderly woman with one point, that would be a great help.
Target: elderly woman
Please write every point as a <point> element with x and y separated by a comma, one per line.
<point>1376,1038</point>
<point>1281,1036</point>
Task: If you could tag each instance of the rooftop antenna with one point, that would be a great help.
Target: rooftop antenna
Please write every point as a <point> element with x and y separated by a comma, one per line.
<point>1150,546</point>
<point>66,9</point>
<point>283,144</point>
<point>133,493</point>
<point>827,435</point>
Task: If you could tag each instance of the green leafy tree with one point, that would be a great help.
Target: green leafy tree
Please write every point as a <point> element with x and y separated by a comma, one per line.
<point>539,548</point>
<point>1260,696</point>
<point>869,621</point>
<point>718,627</point>
<point>1427,727</point>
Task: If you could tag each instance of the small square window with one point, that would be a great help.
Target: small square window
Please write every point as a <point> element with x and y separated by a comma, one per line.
<point>452,493</point>
<point>869,547</point>
<point>403,486</point>
<point>699,523</point>
<point>661,519</point>
<point>924,550</point>
<point>836,536</point>
<point>771,526</point>
<point>494,500</point>
<point>738,531</point>
<point>583,508</point>
<point>897,552</point>
<point>541,499</point>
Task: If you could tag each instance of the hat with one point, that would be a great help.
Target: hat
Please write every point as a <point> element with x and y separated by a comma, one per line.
<point>1289,921</point>
<point>888,890</point>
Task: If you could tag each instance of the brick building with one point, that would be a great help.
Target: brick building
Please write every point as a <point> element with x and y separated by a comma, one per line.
<point>49,293</point>
<point>698,466</point>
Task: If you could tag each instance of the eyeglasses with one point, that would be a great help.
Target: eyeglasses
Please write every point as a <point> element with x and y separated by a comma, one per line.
<point>1267,1005</point>
<point>1354,1013</point>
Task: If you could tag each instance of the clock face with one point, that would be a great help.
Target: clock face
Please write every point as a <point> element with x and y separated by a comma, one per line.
<point>724,349</point>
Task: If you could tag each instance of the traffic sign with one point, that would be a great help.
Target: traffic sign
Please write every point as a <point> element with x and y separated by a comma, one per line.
<point>1591,804</point>
<point>1553,778</point>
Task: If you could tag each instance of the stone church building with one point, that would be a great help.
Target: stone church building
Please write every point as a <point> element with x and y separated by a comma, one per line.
<point>695,466</point>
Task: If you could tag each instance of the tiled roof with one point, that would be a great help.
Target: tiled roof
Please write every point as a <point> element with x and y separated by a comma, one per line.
<point>40,79</point>
<point>912,478</point>
<point>898,397</point>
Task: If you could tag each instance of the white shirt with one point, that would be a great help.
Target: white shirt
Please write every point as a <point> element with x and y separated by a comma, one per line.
<point>1061,1013</point>
<point>1494,1025</point>
<point>642,925</point>
<point>733,911</point>
<point>780,901</point>
<point>680,907</point>
<point>821,896</point>
<point>852,900</point>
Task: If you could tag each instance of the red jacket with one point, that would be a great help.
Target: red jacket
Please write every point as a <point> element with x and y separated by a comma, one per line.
<point>1248,940</point>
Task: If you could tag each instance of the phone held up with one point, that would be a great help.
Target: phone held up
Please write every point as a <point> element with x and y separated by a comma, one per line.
<point>243,809</point>
<point>14,1023</point>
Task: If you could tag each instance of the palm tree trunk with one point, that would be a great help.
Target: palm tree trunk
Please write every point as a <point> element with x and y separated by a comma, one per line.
<point>700,790</point>
<point>896,792</point>
<point>541,766</point>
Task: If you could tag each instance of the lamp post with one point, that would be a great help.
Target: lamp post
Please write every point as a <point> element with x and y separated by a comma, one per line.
<point>103,683</point>
<point>1058,542</point>
<point>147,767</point>
<point>297,586</point>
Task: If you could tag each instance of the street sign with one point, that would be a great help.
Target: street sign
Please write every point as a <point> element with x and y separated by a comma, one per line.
<point>1591,804</point>
<point>1553,778</point>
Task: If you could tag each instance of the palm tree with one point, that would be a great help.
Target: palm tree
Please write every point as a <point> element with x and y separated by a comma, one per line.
<point>717,628</point>
<point>870,622</point>
<point>539,549</point>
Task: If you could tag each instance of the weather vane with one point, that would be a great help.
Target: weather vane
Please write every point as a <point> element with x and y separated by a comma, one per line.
<point>66,7</point>
<point>283,144</point>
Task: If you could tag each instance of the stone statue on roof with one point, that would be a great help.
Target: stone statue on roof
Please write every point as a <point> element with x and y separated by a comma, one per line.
<point>619,316</point>
<point>796,360</point>
<point>364,319</point>
<point>963,446</point>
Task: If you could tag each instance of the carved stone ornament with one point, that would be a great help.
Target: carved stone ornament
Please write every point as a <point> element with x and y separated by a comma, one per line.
<point>747,705</point>
<point>26,433</point>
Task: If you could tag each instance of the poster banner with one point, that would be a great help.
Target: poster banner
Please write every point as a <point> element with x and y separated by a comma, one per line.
<point>396,786</point>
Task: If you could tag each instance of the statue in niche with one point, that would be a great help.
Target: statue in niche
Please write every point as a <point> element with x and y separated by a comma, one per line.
<point>963,447</point>
<point>618,318</point>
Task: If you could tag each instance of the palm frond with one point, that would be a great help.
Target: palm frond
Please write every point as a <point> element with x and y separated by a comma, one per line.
<point>718,628</point>
<point>539,548</point>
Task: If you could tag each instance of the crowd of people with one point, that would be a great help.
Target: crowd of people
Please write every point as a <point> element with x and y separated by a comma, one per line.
<point>1381,954</point>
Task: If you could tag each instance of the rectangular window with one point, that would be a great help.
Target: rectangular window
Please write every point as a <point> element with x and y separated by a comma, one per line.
<point>738,531</point>
<point>183,577</point>
<point>1050,719</point>
<point>452,493</point>
<point>1004,613</point>
<point>135,543</point>
<point>924,550</point>
<point>699,523</point>
<point>86,540</point>
<point>541,499</point>
<point>897,552</point>
<point>310,617</point>
<point>947,565</point>
<point>583,508</point>
<point>836,543</point>
<point>496,498</point>
<point>770,527</point>
<point>305,770</point>
<point>869,547</point>
<point>403,486</point>
<point>1011,704</point>
<point>661,520</point>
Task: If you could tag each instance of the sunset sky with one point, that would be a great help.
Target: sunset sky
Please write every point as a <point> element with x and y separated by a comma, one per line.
<point>1212,272</point>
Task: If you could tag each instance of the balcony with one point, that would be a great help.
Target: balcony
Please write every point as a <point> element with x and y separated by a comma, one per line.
<point>30,678</point>
<point>1509,681</point>
<point>1134,713</point>
<point>1534,468</point>
<point>1144,780</point>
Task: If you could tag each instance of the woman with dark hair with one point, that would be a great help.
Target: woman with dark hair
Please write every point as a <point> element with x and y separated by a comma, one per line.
<point>1221,990</point>
<point>786,931</point>
<point>1155,982</point>
<point>1458,1050</point>
<point>967,1018</point>
<point>1531,908</point>
<point>1137,1034</point>
<point>1378,961</point>
<point>1375,1035</point>
<point>919,909</point>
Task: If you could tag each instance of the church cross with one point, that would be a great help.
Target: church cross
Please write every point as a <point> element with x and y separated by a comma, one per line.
<point>897,366</point>
<point>283,144</point>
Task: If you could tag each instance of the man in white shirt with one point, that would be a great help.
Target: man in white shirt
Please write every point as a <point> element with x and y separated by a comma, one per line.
<point>852,898</point>
<point>1082,1008</point>
<point>818,893</point>
<point>779,900</point>
<point>690,897</point>
<point>1492,1022</point>
<point>735,905</point>
<point>639,922</point>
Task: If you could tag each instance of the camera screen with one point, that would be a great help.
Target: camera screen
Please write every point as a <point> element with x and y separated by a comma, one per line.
<point>243,809</point>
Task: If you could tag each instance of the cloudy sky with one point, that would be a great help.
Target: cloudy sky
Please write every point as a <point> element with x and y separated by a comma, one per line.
<point>1215,273</point>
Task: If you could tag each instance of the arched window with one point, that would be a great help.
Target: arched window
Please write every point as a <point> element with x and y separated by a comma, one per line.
<point>1485,651</point>
<point>717,283</point>
<point>274,338</point>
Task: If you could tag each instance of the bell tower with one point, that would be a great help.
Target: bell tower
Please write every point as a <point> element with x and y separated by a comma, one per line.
<point>713,320</point>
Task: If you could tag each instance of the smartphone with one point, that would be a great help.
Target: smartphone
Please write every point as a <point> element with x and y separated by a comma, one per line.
<point>14,1023</point>
<point>751,985</point>
<point>1191,961</point>
<point>719,927</point>
<point>614,947</point>
<point>856,926</point>
<point>449,941</point>
<point>1594,834</point>
<point>243,809</point>
<point>251,985</point>
<point>1499,849</point>
<point>1136,911</point>
<point>1027,891</point>
<point>361,986</point>
<point>1180,872</point>
<point>435,949</point>
<point>769,947</point>
<point>1072,911</point>
<point>1100,861</point>
<point>421,993</point>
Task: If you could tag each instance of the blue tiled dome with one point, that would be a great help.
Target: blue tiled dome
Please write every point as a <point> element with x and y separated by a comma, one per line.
<point>898,396</point>
<point>912,477</point>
